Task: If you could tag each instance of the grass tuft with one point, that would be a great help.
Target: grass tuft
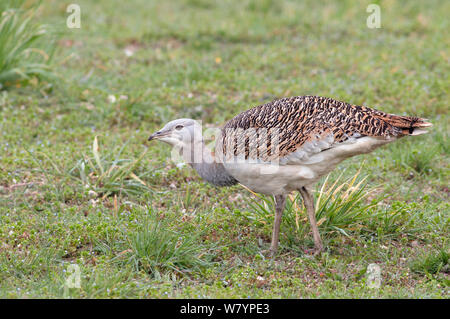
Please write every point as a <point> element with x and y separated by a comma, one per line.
<point>21,38</point>
<point>155,248</point>
<point>431,263</point>
<point>109,174</point>
<point>416,157</point>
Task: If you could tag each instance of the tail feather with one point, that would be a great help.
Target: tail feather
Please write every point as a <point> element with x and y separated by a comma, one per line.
<point>407,125</point>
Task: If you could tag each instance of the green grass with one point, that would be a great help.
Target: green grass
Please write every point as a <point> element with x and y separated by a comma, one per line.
<point>22,53</point>
<point>155,247</point>
<point>80,185</point>
<point>105,177</point>
<point>431,263</point>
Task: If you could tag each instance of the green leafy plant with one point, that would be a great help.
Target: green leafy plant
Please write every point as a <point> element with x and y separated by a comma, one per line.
<point>155,248</point>
<point>22,54</point>
<point>109,174</point>
<point>431,263</point>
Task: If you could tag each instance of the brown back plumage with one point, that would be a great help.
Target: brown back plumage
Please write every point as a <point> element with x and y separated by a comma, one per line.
<point>301,119</point>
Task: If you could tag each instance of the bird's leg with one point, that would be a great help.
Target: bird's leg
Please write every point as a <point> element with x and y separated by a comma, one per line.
<point>280,203</point>
<point>309,204</point>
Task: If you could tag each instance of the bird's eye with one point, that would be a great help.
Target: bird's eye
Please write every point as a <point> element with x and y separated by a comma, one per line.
<point>178,127</point>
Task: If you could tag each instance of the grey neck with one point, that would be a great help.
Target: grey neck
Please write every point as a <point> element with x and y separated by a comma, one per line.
<point>207,167</point>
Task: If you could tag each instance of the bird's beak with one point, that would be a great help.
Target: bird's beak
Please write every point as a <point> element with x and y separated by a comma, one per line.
<point>158,135</point>
<point>152,137</point>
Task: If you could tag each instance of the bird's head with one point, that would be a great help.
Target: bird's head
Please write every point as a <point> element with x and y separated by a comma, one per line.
<point>179,132</point>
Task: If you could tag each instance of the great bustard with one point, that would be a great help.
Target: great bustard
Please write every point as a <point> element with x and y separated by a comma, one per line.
<point>287,145</point>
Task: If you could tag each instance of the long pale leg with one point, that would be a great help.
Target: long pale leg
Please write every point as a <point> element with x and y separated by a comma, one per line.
<point>280,203</point>
<point>309,204</point>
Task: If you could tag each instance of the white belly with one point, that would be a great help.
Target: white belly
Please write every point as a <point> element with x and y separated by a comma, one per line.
<point>271,179</point>
<point>293,173</point>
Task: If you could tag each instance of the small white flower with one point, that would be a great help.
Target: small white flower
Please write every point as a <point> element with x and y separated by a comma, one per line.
<point>128,52</point>
<point>111,98</point>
